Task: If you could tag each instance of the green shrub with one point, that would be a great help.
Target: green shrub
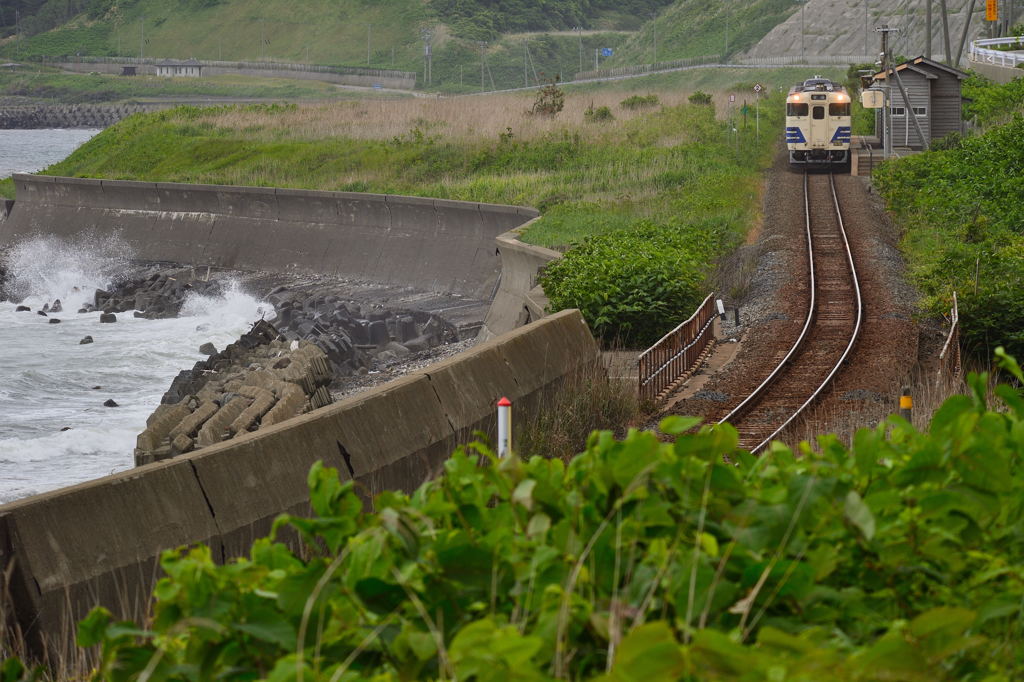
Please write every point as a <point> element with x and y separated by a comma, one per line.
<point>632,286</point>
<point>598,115</point>
<point>639,102</point>
<point>895,559</point>
<point>700,97</point>
<point>962,213</point>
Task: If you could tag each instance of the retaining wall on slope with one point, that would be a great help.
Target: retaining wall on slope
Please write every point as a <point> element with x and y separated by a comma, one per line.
<point>519,298</point>
<point>99,542</point>
<point>430,244</point>
<point>391,82</point>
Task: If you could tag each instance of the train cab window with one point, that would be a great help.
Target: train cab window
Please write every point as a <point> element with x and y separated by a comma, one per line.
<point>819,112</point>
<point>839,109</point>
<point>796,109</point>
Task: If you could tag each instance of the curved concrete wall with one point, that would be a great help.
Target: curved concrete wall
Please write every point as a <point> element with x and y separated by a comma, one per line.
<point>99,542</point>
<point>519,299</point>
<point>430,244</point>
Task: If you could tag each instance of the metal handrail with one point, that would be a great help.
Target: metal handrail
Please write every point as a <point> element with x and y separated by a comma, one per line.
<point>676,353</point>
<point>979,53</point>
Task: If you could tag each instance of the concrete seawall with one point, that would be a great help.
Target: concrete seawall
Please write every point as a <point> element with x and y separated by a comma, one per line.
<point>429,244</point>
<point>519,299</point>
<point>99,542</point>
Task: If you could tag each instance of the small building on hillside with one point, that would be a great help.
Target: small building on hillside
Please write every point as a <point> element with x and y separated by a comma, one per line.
<point>128,71</point>
<point>188,68</point>
<point>933,98</point>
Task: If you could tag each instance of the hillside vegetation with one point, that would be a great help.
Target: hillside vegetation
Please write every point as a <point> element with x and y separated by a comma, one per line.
<point>476,44</point>
<point>691,28</point>
<point>961,211</point>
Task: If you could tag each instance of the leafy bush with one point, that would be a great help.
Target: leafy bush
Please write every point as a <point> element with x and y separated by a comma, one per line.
<point>988,101</point>
<point>962,215</point>
<point>898,558</point>
<point>700,97</point>
<point>598,115</point>
<point>639,102</point>
<point>632,286</point>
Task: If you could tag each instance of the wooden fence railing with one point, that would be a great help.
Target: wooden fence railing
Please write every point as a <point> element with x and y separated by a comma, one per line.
<point>676,353</point>
<point>949,358</point>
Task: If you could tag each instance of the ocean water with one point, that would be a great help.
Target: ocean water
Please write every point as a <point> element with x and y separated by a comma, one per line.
<point>54,429</point>
<point>30,151</point>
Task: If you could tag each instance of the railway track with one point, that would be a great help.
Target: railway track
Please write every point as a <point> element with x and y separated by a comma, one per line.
<point>831,326</point>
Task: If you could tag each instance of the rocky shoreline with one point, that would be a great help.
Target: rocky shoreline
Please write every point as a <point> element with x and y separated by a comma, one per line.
<point>315,343</point>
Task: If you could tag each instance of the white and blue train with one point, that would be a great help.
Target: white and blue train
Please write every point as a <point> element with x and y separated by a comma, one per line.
<point>818,124</point>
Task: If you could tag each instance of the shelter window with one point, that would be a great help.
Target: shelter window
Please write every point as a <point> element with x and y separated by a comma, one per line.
<point>898,111</point>
<point>796,109</point>
<point>920,111</point>
<point>839,109</point>
<point>819,113</point>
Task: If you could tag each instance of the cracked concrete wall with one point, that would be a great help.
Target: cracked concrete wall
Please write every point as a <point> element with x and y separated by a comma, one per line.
<point>99,542</point>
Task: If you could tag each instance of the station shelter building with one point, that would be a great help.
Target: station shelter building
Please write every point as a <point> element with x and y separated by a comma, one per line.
<point>933,97</point>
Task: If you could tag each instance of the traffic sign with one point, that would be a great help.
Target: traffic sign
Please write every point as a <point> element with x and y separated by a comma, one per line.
<point>757,87</point>
<point>732,98</point>
<point>607,52</point>
<point>991,10</point>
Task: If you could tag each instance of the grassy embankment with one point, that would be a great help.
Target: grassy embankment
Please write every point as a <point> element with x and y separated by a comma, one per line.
<point>672,169</point>
<point>961,209</point>
<point>51,84</point>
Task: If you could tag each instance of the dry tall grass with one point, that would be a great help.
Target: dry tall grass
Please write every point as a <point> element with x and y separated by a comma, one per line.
<point>462,119</point>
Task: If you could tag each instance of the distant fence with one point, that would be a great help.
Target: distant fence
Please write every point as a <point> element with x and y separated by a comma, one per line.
<point>719,61</point>
<point>640,69</point>
<point>259,65</point>
<point>664,363</point>
<point>805,60</point>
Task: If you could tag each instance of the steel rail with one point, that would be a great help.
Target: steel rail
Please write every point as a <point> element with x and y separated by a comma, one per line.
<point>782,366</point>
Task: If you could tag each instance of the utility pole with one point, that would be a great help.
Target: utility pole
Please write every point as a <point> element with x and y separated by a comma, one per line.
<point>945,32</point>
<point>928,29</point>
<point>482,46</point>
<point>369,29</point>
<point>727,30</point>
<point>142,37</point>
<point>865,27</point>
<point>579,29</point>
<point>803,32</point>
<point>428,56</point>
<point>654,27</point>
<point>887,109</point>
<point>526,74</point>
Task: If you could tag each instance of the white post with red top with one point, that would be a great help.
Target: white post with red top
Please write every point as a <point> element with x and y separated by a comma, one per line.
<point>504,427</point>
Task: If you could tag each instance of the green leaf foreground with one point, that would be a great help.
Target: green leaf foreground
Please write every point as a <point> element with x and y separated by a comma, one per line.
<point>899,558</point>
